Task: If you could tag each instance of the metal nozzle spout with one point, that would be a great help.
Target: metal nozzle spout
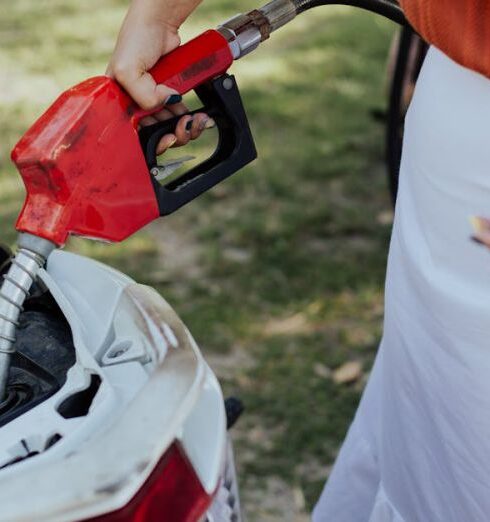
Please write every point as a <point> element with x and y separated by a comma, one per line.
<point>32,254</point>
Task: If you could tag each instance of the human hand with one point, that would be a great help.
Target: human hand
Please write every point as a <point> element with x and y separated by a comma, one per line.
<point>144,38</point>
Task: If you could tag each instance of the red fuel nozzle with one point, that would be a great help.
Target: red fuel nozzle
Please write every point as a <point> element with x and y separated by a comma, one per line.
<point>82,163</point>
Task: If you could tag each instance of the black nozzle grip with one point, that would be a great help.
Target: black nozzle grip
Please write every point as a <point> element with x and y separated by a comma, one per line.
<point>235,148</point>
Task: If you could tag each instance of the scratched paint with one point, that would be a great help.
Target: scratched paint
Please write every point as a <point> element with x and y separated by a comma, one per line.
<point>81,161</point>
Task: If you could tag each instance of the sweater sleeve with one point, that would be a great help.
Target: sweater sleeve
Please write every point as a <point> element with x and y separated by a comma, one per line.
<point>459,28</point>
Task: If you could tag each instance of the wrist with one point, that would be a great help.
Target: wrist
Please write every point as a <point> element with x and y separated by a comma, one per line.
<point>166,13</point>
<point>148,18</point>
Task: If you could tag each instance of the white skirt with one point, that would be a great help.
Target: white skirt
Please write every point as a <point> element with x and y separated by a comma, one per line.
<point>419,447</point>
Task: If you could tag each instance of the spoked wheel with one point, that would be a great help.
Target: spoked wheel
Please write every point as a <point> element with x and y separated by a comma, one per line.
<point>406,58</point>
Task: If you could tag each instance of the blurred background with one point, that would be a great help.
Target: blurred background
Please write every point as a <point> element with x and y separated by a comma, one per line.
<point>279,271</point>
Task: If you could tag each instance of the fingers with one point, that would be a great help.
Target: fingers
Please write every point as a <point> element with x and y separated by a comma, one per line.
<point>142,87</point>
<point>141,42</point>
<point>198,125</point>
<point>147,120</point>
<point>169,139</point>
<point>182,131</point>
<point>189,128</point>
<point>481,228</point>
<point>165,143</point>
<point>162,115</point>
<point>177,109</point>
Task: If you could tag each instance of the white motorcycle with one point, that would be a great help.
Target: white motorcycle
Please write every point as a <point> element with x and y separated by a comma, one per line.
<point>111,412</point>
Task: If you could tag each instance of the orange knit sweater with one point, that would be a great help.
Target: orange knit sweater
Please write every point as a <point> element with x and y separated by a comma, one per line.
<point>459,28</point>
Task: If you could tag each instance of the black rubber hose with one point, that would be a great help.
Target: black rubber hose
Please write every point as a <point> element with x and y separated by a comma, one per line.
<point>387,8</point>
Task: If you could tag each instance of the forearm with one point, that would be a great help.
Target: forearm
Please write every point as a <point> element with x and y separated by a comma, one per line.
<point>169,12</point>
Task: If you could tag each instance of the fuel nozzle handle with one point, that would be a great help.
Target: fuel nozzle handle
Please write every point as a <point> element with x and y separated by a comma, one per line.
<point>193,63</point>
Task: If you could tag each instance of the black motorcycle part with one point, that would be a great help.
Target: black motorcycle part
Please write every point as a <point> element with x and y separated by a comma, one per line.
<point>405,74</point>
<point>44,354</point>
<point>234,408</point>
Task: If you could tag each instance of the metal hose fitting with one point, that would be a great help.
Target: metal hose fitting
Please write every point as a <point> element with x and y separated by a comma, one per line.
<point>279,13</point>
<point>30,258</point>
<point>245,32</point>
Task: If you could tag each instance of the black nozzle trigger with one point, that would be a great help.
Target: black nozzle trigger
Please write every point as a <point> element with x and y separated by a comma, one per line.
<point>235,149</point>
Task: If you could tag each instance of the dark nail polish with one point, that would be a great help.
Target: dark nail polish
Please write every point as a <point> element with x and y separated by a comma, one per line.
<point>173,99</point>
<point>476,240</point>
<point>188,125</point>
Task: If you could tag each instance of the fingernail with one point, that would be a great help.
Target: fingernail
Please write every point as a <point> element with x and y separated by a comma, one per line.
<point>173,99</point>
<point>209,124</point>
<point>475,223</point>
<point>188,125</point>
<point>480,224</point>
<point>482,238</point>
<point>161,150</point>
<point>202,124</point>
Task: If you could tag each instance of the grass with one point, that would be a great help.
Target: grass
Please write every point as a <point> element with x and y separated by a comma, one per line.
<point>281,268</point>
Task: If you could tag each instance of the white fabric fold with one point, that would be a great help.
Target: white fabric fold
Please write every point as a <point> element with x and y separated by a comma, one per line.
<point>419,447</point>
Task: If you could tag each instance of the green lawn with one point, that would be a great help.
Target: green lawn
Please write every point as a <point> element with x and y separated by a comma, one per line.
<point>279,271</point>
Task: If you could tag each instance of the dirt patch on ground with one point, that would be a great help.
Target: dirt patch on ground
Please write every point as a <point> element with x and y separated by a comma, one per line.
<point>179,251</point>
<point>268,499</point>
<point>274,501</point>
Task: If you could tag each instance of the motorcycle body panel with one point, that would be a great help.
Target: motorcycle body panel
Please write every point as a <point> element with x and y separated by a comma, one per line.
<point>154,389</point>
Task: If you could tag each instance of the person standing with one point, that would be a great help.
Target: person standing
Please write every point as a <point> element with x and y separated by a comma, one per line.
<point>418,449</point>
